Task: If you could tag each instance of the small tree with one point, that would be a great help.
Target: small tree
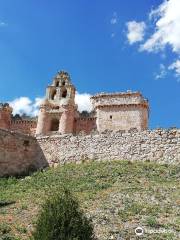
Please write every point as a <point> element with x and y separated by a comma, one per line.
<point>62,219</point>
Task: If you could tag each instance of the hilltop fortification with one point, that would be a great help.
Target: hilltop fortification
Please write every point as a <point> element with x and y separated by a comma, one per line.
<point>58,112</point>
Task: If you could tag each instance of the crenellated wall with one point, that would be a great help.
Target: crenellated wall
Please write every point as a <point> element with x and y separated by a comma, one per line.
<point>85,125</point>
<point>19,154</point>
<point>58,112</point>
<point>158,145</point>
<point>24,126</point>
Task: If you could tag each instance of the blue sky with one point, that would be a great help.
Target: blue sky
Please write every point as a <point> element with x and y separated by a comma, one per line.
<point>106,46</point>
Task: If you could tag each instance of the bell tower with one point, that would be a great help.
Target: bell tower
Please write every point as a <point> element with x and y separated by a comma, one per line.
<point>57,111</point>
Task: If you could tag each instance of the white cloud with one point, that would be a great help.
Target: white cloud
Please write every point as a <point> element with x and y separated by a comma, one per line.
<point>114,19</point>
<point>83,101</point>
<point>162,72</point>
<point>24,105</point>
<point>165,22</point>
<point>167,28</point>
<point>176,67</point>
<point>135,31</point>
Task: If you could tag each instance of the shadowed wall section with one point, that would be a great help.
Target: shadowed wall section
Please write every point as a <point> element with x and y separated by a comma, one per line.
<point>19,154</point>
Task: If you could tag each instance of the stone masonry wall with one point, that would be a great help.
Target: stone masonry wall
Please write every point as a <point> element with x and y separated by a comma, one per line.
<point>162,146</point>
<point>85,124</point>
<point>121,118</point>
<point>117,99</point>
<point>121,111</point>
<point>19,154</point>
<point>24,126</point>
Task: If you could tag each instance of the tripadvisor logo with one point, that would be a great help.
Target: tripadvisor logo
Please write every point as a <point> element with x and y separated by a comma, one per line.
<point>139,231</point>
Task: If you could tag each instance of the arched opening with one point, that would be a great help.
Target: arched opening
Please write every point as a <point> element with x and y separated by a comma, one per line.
<point>57,84</point>
<point>64,93</point>
<point>54,125</point>
<point>53,96</point>
<point>63,83</point>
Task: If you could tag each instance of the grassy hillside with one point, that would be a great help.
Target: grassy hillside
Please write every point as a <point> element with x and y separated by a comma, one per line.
<point>119,196</point>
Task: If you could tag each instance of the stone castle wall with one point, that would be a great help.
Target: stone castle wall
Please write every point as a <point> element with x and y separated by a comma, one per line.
<point>161,146</point>
<point>19,154</point>
<point>85,125</point>
<point>117,99</point>
<point>121,111</point>
<point>122,118</point>
<point>5,115</point>
<point>24,126</point>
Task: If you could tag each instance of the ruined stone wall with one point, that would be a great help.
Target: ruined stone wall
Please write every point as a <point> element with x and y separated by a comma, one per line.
<point>24,126</point>
<point>85,124</point>
<point>19,154</point>
<point>158,145</point>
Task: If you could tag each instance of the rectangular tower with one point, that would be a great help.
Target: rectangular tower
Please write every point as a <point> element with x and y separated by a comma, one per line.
<point>120,111</point>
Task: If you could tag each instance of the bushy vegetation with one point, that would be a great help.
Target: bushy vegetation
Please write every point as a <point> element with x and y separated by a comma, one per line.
<point>62,219</point>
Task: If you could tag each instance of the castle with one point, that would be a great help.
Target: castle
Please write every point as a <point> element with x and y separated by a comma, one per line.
<point>117,128</point>
<point>59,114</point>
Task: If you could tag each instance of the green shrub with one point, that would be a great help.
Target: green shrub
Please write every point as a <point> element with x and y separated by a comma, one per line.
<point>62,219</point>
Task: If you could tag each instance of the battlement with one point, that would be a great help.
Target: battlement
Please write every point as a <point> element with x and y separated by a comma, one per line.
<point>58,113</point>
<point>5,107</point>
<point>26,126</point>
<point>24,122</point>
<point>118,99</point>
